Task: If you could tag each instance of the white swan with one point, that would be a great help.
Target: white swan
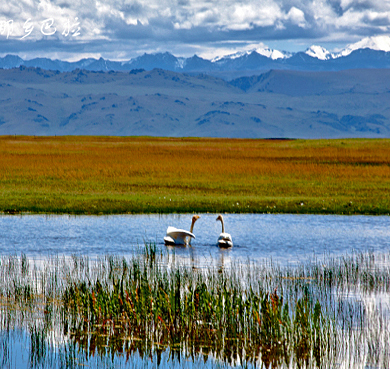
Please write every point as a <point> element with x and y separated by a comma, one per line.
<point>177,236</point>
<point>224,239</point>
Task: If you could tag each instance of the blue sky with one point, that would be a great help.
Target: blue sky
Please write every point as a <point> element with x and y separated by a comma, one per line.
<point>123,29</point>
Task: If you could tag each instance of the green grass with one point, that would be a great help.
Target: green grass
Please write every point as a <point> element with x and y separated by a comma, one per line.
<point>111,175</point>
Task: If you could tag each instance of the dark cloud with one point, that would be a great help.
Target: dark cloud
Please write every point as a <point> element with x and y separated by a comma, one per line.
<point>65,5</point>
<point>336,7</point>
<point>135,8</point>
<point>374,22</point>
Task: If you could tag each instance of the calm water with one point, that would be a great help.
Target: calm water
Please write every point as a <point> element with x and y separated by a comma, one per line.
<point>288,239</point>
<point>284,238</point>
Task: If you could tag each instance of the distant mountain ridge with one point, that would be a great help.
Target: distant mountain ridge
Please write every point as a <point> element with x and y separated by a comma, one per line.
<point>371,52</point>
<point>260,93</point>
<point>278,103</point>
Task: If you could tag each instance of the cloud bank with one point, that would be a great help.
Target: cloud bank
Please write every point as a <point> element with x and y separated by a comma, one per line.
<point>121,29</point>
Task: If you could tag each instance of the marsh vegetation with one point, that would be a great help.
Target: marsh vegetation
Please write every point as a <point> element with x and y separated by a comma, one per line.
<point>107,175</point>
<point>332,312</point>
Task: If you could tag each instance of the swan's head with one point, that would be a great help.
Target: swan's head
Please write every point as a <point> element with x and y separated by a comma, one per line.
<point>220,218</point>
<point>195,218</point>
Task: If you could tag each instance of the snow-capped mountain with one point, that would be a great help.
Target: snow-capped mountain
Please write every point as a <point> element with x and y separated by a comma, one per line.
<point>265,51</point>
<point>378,43</point>
<point>319,52</point>
<point>370,52</point>
<point>236,55</point>
<point>273,54</point>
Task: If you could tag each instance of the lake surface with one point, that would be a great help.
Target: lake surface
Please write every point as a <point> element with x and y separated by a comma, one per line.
<point>284,238</point>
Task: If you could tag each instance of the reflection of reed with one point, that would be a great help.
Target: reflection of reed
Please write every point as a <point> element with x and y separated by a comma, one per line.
<point>315,315</point>
<point>268,339</point>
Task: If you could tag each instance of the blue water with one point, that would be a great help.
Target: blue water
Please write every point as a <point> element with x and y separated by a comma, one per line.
<point>283,238</point>
<point>287,239</point>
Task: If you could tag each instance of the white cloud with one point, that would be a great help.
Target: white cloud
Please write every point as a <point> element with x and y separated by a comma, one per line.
<point>246,16</point>
<point>198,22</point>
<point>224,15</point>
<point>296,16</point>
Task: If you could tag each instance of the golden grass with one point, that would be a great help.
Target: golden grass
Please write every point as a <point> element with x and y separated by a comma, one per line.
<point>143,174</point>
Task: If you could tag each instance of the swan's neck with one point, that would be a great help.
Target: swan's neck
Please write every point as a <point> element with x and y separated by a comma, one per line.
<point>191,229</point>
<point>192,225</point>
<point>223,226</point>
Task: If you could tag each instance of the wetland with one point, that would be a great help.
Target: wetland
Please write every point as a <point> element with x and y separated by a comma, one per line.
<point>295,291</point>
<point>86,280</point>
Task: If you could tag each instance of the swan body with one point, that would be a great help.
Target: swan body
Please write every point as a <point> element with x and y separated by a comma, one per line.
<point>176,236</point>
<point>224,239</point>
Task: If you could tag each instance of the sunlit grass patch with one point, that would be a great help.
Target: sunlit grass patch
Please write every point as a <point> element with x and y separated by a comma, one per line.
<point>138,174</point>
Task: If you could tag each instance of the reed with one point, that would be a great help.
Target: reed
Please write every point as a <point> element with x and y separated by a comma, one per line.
<point>104,175</point>
<point>321,314</point>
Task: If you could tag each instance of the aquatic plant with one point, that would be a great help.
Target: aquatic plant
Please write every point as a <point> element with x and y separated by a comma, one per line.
<point>319,314</point>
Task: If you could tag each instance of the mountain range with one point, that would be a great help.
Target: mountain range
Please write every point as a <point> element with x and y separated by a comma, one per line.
<point>373,52</point>
<point>260,93</point>
<point>274,104</point>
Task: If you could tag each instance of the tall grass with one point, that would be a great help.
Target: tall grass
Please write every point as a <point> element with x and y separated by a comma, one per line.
<point>322,314</point>
<point>120,175</point>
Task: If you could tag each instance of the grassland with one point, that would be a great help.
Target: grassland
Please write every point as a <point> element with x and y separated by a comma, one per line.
<point>106,175</point>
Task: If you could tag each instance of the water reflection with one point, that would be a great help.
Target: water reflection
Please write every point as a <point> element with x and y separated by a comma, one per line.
<point>26,349</point>
<point>77,311</point>
<point>283,238</point>
<point>360,305</point>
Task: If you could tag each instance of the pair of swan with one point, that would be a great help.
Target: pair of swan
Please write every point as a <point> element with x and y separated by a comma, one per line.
<point>177,236</point>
